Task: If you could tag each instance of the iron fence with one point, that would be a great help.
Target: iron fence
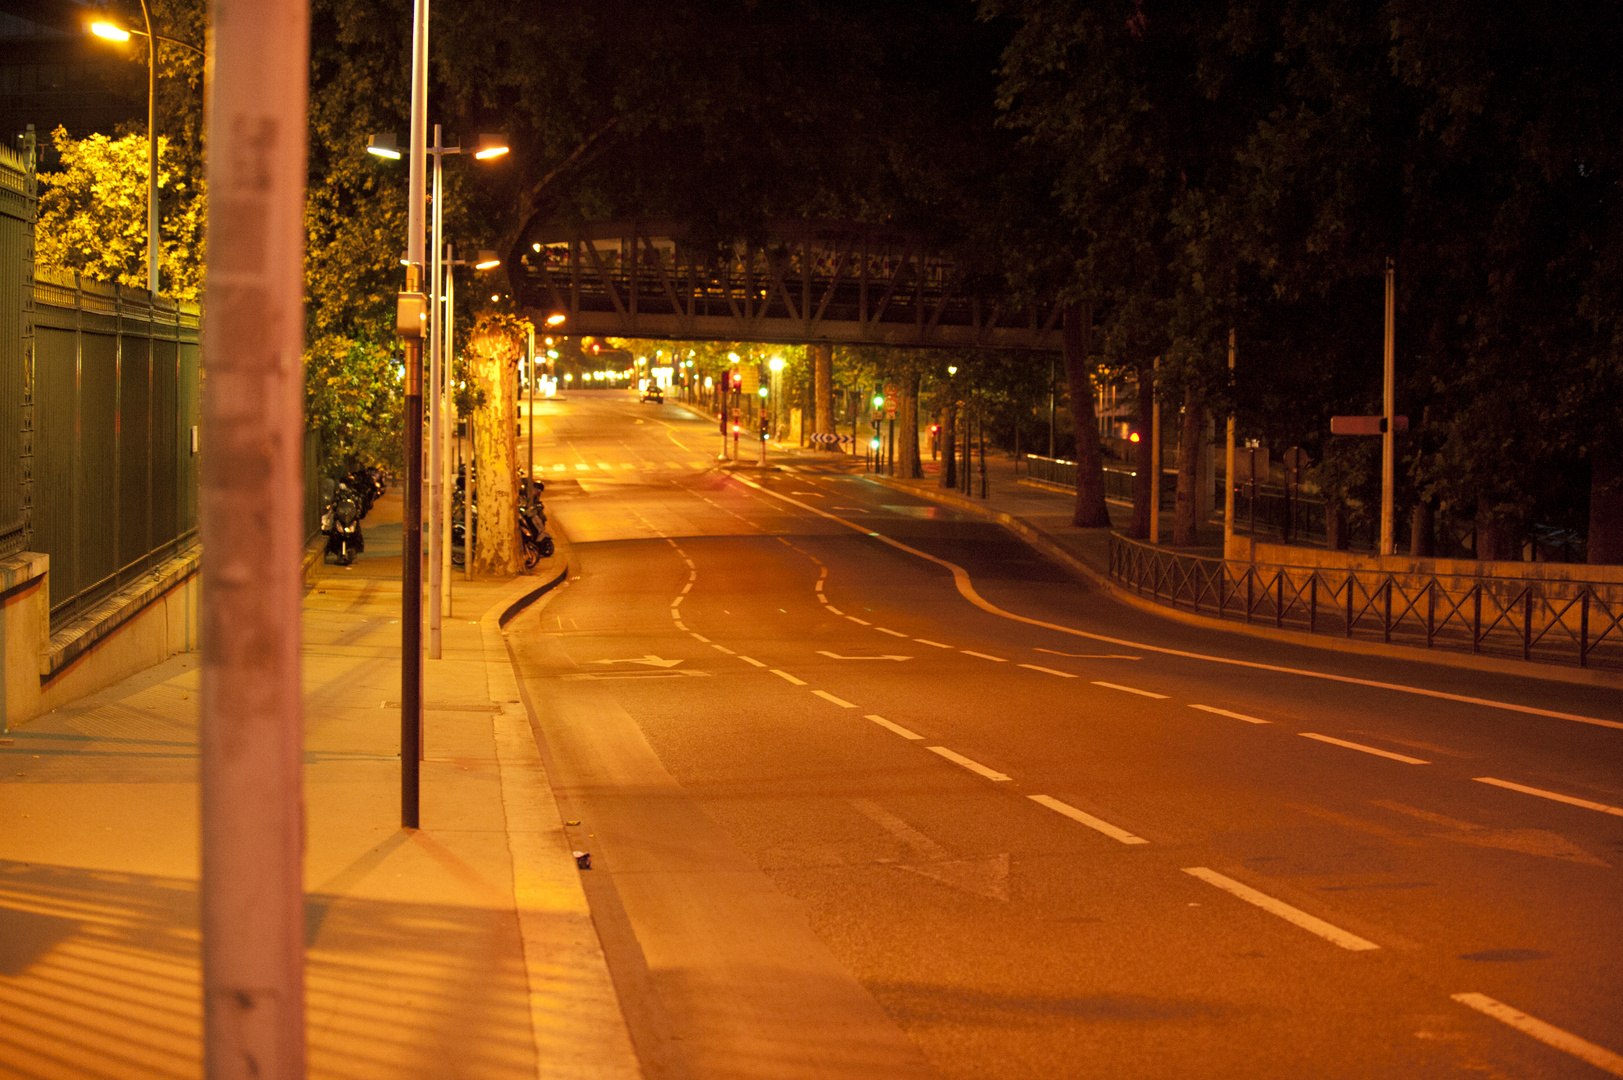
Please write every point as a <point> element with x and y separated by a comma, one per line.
<point>1118,481</point>
<point>114,393</point>
<point>1552,620</point>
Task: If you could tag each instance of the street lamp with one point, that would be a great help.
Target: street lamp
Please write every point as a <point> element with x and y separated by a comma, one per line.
<point>439,550</point>
<point>114,32</point>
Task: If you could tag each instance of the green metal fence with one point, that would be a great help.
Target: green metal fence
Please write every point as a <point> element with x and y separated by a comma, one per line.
<point>17,203</point>
<point>115,413</point>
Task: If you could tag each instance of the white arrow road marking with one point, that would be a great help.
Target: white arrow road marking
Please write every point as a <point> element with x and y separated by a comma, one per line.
<point>649,661</point>
<point>988,877</point>
<point>837,656</point>
<point>1527,841</point>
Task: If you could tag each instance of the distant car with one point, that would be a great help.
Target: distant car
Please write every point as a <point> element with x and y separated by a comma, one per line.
<point>654,394</point>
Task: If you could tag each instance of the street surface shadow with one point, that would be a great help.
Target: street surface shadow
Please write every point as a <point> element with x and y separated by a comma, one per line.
<point>922,1003</point>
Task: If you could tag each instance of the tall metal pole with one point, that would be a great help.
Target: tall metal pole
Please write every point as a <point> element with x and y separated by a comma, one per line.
<point>251,523</point>
<point>1388,407</point>
<point>530,441</point>
<point>1228,469</point>
<point>152,153</point>
<point>448,407</point>
<point>411,598</point>
<point>1155,454</point>
<point>436,436</point>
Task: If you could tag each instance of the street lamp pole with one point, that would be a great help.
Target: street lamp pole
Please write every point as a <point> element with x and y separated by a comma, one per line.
<point>411,607</point>
<point>152,153</point>
<point>436,421</point>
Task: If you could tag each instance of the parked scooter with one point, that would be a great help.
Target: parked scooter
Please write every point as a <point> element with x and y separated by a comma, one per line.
<point>341,522</point>
<point>532,523</point>
<point>367,483</point>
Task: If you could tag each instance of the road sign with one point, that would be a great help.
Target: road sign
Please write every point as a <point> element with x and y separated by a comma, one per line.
<point>1251,464</point>
<point>752,378</point>
<point>1366,425</point>
<point>892,392</point>
<point>1295,460</point>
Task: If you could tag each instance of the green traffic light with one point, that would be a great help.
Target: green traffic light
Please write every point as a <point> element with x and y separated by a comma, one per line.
<point>879,401</point>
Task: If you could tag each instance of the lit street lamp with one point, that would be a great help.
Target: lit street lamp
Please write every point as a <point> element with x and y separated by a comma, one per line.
<point>384,145</point>
<point>114,32</point>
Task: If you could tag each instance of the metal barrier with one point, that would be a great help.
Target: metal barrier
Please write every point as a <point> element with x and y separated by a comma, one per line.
<point>1118,481</point>
<point>114,412</point>
<point>1551,620</point>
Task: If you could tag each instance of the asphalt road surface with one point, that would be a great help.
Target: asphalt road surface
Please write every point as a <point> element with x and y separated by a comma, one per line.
<point>873,790</point>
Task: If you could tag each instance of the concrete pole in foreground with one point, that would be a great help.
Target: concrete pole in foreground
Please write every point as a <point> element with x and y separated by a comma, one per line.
<point>1388,407</point>
<point>251,523</point>
<point>411,586</point>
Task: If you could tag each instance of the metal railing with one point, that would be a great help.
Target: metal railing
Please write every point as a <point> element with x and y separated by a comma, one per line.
<point>1118,480</point>
<point>1552,620</point>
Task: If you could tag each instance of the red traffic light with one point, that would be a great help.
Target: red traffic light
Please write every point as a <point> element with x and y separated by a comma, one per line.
<point>1134,437</point>
<point>934,428</point>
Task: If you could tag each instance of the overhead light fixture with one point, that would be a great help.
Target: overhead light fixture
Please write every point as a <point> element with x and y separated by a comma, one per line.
<point>384,146</point>
<point>491,146</point>
<point>109,31</point>
<point>487,261</point>
<point>536,247</point>
<point>556,320</point>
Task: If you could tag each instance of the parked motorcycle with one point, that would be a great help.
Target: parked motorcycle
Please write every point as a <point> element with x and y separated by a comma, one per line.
<point>366,483</point>
<point>341,522</point>
<point>532,523</point>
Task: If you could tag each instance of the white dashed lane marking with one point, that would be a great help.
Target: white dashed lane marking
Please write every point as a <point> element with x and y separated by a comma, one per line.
<point>1377,751</point>
<point>750,660</point>
<point>1129,690</point>
<point>841,702</point>
<point>983,656</point>
<point>1311,923</point>
<point>1230,715</point>
<point>1087,819</point>
<point>788,677</point>
<point>1048,671</point>
<point>897,728</point>
<point>927,641</point>
<point>1570,800</point>
<point>1580,1048</point>
<point>968,763</point>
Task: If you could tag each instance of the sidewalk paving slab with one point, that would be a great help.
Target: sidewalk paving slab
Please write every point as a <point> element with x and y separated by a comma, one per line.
<point>463,949</point>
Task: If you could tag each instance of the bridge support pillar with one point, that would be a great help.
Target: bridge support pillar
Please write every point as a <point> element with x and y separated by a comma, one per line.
<point>822,357</point>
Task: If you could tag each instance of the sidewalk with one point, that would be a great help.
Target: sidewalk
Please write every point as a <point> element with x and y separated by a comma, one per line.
<point>463,949</point>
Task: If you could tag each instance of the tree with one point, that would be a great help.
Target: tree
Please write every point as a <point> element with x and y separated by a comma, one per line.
<point>93,214</point>
<point>494,348</point>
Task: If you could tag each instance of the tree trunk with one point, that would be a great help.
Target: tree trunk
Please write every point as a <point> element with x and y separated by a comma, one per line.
<point>949,446</point>
<point>1076,336</point>
<point>1185,527</point>
<point>907,434</point>
<point>1421,531</point>
<point>1605,512</point>
<point>822,357</point>
<point>496,545</point>
<point>1143,456</point>
<point>1491,541</point>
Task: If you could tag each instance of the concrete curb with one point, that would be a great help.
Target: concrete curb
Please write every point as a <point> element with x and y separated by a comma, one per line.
<point>1046,544</point>
<point>577,1023</point>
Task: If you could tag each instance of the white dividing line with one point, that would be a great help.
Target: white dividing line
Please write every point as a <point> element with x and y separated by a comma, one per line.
<point>834,609</point>
<point>927,641</point>
<point>888,726</point>
<point>789,677</point>
<point>680,625</point>
<point>686,587</point>
<point>863,622</point>
<point>582,467</point>
<point>972,766</point>
<point>822,598</point>
<point>723,648</point>
<point>966,589</point>
<point>983,656</point>
<point>1230,715</point>
<point>678,601</point>
<point>1598,1056</point>
<point>1312,924</point>
<point>750,660</point>
<point>700,637</point>
<point>826,696</point>
<point>1129,690</point>
<point>1048,671</point>
<point>1377,751</point>
<point>1087,819</point>
<point>892,633</point>
<point>1570,800</point>
<point>818,584</point>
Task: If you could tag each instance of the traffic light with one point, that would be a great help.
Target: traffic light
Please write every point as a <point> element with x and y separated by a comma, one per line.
<point>879,401</point>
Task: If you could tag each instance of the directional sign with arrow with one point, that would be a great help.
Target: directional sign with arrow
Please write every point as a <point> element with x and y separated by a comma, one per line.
<point>647,661</point>
<point>837,656</point>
